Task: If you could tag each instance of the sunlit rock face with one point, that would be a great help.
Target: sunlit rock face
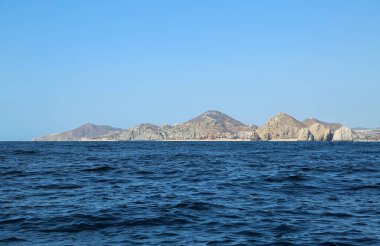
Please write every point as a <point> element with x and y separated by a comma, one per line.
<point>142,132</point>
<point>321,132</point>
<point>248,135</point>
<point>208,126</point>
<point>332,126</point>
<point>305,135</point>
<point>343,134</point>
<point>281,126</point>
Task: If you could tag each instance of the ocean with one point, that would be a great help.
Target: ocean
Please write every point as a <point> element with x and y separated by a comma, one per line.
<point>189,193</point>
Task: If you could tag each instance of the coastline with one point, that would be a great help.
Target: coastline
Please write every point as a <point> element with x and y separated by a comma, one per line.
<point>191,140</point>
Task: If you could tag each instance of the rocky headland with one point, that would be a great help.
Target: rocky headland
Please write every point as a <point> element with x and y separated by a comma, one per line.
<point>216,126</point>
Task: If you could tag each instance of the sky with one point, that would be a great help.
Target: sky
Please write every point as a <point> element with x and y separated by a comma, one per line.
<point>64,63</point>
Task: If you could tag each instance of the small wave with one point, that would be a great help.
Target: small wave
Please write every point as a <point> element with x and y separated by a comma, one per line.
<point>59,187</point>
<point>13,172</point>
<point>338,215</point>
<point>9,221</point>
<point>162,220</point>
<point>93,158</point>
<point>287,178</point>
<point>365,187</point>
<point>327,244</point>
<point>12,240</point>
<point>250,233</point>
<point>283,228</point>
<point>99,169</point>
<point>93,223</point>
<point>169,172</point>
<point>367,240</point>
<point>79,227</point>
<point>333,198</point>
<point>25,152</point>
<point>220,242</point>
<point>194,205</point>
<point>169,234</point>
<point>144,172</point>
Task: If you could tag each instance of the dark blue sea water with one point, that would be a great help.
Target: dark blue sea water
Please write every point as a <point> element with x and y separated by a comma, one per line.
<point>189,193</point>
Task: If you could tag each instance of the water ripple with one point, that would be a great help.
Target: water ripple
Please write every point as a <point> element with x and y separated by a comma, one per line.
<point>189,193</point>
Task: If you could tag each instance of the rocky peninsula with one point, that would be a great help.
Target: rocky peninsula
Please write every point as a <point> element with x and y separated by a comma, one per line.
<point>216,126</point>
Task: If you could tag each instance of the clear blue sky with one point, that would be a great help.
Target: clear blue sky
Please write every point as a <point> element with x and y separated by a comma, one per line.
<point>68,62</point>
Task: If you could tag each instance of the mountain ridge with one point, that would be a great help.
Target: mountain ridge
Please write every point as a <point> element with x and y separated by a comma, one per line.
<point>215,125</point>
<point>85,131</point>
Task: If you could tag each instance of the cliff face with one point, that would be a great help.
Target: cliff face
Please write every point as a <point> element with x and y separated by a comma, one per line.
<point>321,132</point>
<point>305,135</point>
<point>343,134</point>
<point>281,126</point>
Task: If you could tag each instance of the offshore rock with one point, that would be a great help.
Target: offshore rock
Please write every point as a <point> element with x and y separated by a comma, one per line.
<point>321,132</point>
<point>281,126</point>
<point>343,134</point>
<point>305,135</point>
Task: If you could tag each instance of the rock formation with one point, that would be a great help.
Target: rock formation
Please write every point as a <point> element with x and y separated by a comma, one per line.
<point>321,132</point>
<point>214,125</point>
<point>281,126</point>
<point>142,132</point>
<point>210,125</point>
<point>305,135</point>
<point>343,134</point>
<point>248,135</point>
<point>333,126</point>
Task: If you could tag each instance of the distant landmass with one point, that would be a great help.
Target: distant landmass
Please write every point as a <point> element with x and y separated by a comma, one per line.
<point>217,126</point>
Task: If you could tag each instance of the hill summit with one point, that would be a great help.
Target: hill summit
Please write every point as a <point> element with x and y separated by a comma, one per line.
<point>85,132</point>
<point>281,126</point>
<point>209,125</point>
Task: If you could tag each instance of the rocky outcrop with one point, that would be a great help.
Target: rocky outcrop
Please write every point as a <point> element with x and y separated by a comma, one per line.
<point>248,135</point>
<point>281,126</point>
<point>305,135</point>
<point>332,126</point>
<point>143,132</point>
<point>86,132</point>
<point>321,132</point>
<point>343,134</point>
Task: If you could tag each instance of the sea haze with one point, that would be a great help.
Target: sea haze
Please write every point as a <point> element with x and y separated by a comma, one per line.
<point>190,193</point>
